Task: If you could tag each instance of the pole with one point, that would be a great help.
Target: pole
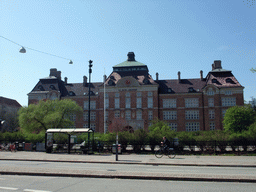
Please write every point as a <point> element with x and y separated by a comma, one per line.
<point>89,104</point>
<point>105,130</point>
<point>116,146</point>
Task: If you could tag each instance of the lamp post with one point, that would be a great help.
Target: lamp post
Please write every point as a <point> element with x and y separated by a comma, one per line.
<point>89,103</point>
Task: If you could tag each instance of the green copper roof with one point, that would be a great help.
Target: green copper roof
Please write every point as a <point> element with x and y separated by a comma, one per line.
<point>129,64</point>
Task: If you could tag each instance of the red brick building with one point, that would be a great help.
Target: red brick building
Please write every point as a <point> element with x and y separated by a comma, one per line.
<point>133,98</point>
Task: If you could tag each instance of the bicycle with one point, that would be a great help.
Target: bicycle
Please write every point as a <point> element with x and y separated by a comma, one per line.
<point>168,152</point>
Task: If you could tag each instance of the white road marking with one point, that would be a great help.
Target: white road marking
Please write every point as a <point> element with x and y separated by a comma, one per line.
<point>9,188</point>
<point>34,190</point>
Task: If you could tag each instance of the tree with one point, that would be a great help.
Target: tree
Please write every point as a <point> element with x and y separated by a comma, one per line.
<point>48,114</point>
<point>238,119</point>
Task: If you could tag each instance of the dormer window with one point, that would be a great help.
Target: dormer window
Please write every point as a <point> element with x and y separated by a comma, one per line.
<point>228,80</point>
<point>71,93</point>
<point>169,90</point>
<point>40,87</point>
<point>52,87</point>
<point>146,81</point>
<point>191,89</point>
<point>111,82</point>
<point>214,81</point>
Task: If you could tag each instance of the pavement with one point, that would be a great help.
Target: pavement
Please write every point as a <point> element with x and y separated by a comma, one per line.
<point>141,159</point>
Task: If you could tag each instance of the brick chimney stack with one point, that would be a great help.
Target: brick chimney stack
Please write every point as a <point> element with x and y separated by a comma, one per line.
<point>66,80</point>
<point>179,77</point>
<point>55,73</point>
<point>201,75</point>
<point>84,81</point>
<point>157,75</point>
<point>216,64</point>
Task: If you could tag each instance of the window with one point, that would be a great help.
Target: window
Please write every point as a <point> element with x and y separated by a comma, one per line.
<point>106,115</point>
<point>211,114</point>
<point>93,126</point>
<point>228,101</point>
<point>128,115</point>
<point>191,103</point>
<point>127,102</point>
<point>138,94</point>
<point>228,92</point>
<point>150,94</point>
<point>169,103</point>
<point>210,92</point>
<point>150,102</point>
<point>72,117</point>
<point>224,112</point>
<point>173,126</point>
<point>93,115</point>
<point>117,114</point>
<point>117,103</point>
<point>127,94</point>
<point>212,126</point>
<point>169,115</point>
<point>192,126</point>
<point>106,95</point>
<point>139,115</point>
<point>116,94</point>
<point>192,114</point>
<point>139,102</point>
<point>106,103</point>
<point>150,115</point>
<point>92,105</point>
<point>210,102</point>
<point>85,116</point>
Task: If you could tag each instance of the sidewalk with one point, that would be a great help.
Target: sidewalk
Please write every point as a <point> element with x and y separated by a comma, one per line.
<point>179,160</point>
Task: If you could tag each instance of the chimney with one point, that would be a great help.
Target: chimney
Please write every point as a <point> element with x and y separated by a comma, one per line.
<point>66,80</point>
<point>131,56</point>
<point>55,73</point>
<point>85,81</point>
<point>201,75</point>
<point>179,77</point>
<point>157,75</point>
<point>216,64</point>
<point>104,78</point>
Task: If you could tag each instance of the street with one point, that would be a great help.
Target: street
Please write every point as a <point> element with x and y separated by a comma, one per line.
<point>67,184</point>
<point>130,170</point>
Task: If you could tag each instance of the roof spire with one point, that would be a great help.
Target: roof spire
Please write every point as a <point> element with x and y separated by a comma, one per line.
<point>131,56</point>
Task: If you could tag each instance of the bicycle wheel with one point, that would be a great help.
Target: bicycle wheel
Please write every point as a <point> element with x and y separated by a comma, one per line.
<point>159,153</point>
<point>171,154</point>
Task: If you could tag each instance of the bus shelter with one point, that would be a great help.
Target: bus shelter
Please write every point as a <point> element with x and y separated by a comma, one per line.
<point>49,137</point>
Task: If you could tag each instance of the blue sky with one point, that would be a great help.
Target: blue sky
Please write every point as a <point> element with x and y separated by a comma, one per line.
<point>168,36</point>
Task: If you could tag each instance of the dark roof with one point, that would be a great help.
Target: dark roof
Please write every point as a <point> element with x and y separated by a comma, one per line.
<point>79,89</point>
<point>184,86</point>
<point>9,102</point>
<point>222,79</point>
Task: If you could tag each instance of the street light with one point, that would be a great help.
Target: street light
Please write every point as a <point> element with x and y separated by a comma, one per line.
<point>89,104</point>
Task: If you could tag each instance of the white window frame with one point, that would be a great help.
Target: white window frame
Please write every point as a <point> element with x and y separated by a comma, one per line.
<point>139,102</point>
<point>191,114</point>
<point>128,115</point>
<point>117,114</point>
<point>228,101</point>
<point>139,115</point>
<point>150,102</point>
<point>117,103</point>
<point>192,126</point>
<point>173,126</point>
<point>211,102</point>
<point>150,115</point>
<point>169,103</point>
<point>212,125</point>
<point>169,115</point>
<point>211,114</point>
<point>127,102</point>
<point>191,102</point>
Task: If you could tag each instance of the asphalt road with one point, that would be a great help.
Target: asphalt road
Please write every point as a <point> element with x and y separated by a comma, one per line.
<point>129,169</point>
<point>66,184</point>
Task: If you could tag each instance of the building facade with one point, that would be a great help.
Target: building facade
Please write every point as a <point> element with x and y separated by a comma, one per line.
<point>133,99</point>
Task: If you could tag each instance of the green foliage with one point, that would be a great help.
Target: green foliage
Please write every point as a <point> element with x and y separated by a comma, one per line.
<point>238,119</point>
<point>48,114</point>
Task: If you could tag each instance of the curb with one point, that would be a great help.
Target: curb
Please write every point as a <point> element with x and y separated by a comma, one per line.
<point>132,177</point>
<point>134,163</point>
